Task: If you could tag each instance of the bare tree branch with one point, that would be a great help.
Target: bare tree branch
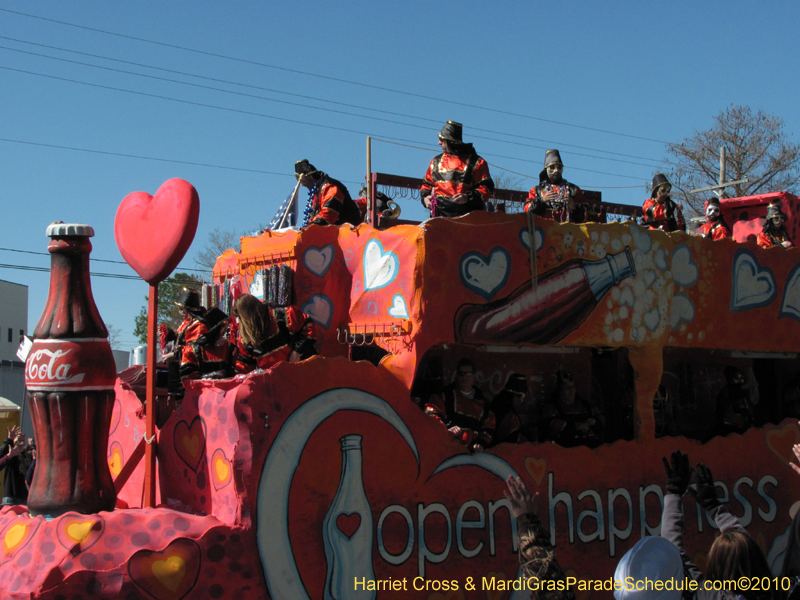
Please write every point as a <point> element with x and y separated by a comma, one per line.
<point>757,146</point>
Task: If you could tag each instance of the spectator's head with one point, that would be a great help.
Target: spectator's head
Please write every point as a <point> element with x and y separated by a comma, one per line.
<point>652,558</point>
<point>252,315</point>
<point>465,374</point>
<point>565,385</point>
<point>517,384</point>
<point>735,554</point>
<point>734,376</point>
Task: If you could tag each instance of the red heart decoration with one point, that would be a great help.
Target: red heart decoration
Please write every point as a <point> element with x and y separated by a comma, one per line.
<point>153,233</point>
<point>348,524</point>
<point>170,574</point>
<point>190,442</point>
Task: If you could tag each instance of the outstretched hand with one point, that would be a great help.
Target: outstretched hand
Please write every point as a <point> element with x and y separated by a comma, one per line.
<point>706,494</point>
<point>679,473</point>
<point>519,497</point>
<point>796,450</point>
<point>13,432</point>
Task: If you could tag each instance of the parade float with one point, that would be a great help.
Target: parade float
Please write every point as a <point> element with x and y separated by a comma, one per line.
<point>325,478</point>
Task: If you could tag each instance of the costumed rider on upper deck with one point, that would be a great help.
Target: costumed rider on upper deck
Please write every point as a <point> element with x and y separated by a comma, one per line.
<point>199,348</point>
<point>555,197</point>
<point>329,202</point>
<point>457,182</point>
<point>660,211</point>
<point>715,228</point>
<point>774,232</point>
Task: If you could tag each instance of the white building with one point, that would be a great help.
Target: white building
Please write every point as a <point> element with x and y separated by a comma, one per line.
<point>13,324</point>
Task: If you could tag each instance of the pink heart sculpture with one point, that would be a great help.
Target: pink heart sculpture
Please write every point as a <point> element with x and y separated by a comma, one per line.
<point>153,233</point>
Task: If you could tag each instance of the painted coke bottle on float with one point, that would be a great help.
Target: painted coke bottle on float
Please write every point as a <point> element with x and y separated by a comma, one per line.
<point>564,297</point>
<point>347,531</point>
<point>70,376</point>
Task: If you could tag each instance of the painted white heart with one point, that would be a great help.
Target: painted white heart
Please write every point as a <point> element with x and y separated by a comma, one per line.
<point>485,276</point>
<point>641,239</point>
<point>684,269</point>
<point>661,259</point>
<point>681,310</point>
<point>752,285</point>
<point>790,306</point>
<point>649,277</point>
<point>398,309</point>
<point>380,267</point>
<point>652,319</point>
<point>525,238</point>
<point>319,308</point>
<point>626,297</point>
<point>318,260</point>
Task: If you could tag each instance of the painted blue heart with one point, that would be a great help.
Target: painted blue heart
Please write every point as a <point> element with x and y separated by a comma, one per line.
<point>485,275</point>
<point>398,309</point>
<point>318,260</point>
<point>380,267</point>
<point>319,308</point>
<point>752,285</point>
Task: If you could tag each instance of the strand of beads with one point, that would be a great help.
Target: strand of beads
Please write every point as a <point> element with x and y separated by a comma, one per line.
<point>309,204</point>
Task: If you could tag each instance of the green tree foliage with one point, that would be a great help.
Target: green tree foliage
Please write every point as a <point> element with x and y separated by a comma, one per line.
<point>168,313</point>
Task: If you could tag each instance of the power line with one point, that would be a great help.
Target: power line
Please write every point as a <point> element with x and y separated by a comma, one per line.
<point>329,78</point>
<point>257,114</point>
<point>97,274</point>
<point>168,160</point>
<point>93,274</point>
<point>272,90</point>
<point>341,112</point>
<point>93,259</point>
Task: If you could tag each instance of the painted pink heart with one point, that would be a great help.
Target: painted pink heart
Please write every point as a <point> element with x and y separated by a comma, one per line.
<point>348,524</point>
<point>153,233</point>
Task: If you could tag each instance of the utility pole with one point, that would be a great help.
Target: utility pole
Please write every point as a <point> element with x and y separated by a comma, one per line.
<point>718,189</point>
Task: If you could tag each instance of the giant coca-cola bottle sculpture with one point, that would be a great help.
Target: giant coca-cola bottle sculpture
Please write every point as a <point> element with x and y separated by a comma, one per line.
<point>563,299</point>
<point>70,376</point>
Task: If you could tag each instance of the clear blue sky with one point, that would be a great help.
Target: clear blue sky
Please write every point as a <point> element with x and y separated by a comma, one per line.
<point>651,70</point>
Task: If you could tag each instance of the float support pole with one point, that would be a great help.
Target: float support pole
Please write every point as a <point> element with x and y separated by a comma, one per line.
<point>150,406</point>
<point>370,198</point>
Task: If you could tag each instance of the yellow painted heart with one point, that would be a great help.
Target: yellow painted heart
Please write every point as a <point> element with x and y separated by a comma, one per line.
<point>15,535</point>
<point>170,572</point>
<point>115,459</point>
<point>78,531</point>
<point>221,468</point>
<point>536,468</point>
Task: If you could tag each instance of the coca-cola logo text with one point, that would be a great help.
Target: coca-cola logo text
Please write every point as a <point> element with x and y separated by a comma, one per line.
<point>48,366</point>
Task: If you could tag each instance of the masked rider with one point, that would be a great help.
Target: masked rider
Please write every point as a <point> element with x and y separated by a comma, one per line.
<point>715,228</point>
<point>774,233</point>
<point>457,181</point>
<point>329,202</point>
<point>555,197</point>
<point>660,211</point>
